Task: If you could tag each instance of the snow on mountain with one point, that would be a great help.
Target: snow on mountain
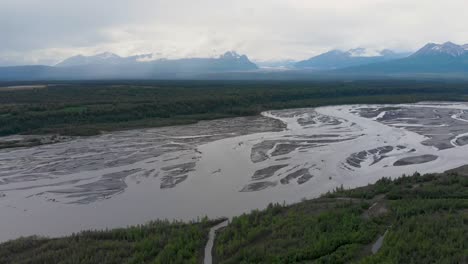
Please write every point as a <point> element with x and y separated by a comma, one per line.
<point>446,58</point>
<point>448,48</point>
<point>362,52</point>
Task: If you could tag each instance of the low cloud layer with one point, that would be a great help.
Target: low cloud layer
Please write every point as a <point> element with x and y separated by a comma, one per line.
<point>46,31</point>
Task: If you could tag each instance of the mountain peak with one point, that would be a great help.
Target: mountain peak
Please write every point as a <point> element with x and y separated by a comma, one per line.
<point>231,55</point>
<point>446,58</point>
<point>447,48</point>
<point>106,55</point>
<point>449,43</point>
<point>101,58</point>
<point>337,59</point>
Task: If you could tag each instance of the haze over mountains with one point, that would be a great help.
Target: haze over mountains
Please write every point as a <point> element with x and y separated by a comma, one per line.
<point>111,66</point>
<point>229,61</point>
<point>106,58</point>
<point>446,58</point>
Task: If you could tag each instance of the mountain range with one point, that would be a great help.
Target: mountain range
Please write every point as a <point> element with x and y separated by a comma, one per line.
<point>432,58</point>
<point>447,58</point>
<point>105,58</point>
<point>337,59</point>
<point>111,66</point>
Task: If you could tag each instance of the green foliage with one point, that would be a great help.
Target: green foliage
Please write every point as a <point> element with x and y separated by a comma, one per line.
<point>439,237</point>
<point>156,242</point>
<point>426,218</point>
<point>296,234</point>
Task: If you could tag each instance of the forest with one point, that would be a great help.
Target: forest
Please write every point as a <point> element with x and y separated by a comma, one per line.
<point>420,218</point>
<point>90,108</point>
<point>155,242</point>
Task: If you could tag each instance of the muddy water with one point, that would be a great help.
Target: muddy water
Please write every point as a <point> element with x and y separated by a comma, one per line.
<point>222,167</point>
<point>211,238</point>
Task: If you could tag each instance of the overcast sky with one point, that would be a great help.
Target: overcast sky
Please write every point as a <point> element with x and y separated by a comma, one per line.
<point>46,31</point>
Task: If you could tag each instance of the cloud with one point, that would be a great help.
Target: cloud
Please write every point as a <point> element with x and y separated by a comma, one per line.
<point>45,31</point>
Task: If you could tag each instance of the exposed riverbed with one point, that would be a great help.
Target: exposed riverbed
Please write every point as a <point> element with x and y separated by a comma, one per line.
<point>221,168</point>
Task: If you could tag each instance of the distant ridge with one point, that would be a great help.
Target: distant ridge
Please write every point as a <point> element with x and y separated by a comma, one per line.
<point>102,58</point>
<point>446,49</point>
<point>106,58</point>
<point>337,59</point>
<point>432,58</point>
<point>447,60</point>
<point>111,66</point>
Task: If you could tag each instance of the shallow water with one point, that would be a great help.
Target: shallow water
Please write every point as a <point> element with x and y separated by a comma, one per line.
<point>378,243</point>
<point>211,238</point>
<point>221,167</point>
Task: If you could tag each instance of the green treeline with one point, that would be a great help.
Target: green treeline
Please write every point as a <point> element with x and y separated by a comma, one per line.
<point>87,108</point>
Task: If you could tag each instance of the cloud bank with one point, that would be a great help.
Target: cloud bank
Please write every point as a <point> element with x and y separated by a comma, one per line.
<point>47,31</point>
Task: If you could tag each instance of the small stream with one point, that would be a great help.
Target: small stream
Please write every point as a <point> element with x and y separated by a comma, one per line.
<point>378,244</point>
<point>209,244</point>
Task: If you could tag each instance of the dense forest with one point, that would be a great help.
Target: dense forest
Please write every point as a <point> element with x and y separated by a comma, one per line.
<point>422,219</point>
<point>419,218</point>
<point>155,242</point>
<point>88,108</point>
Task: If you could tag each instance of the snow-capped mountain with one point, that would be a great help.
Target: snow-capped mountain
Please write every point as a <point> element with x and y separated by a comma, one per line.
<point>448,48</point>
<point>337,59</point>
<point>432,58</point>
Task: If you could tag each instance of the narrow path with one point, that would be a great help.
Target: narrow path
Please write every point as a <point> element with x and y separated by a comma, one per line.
<point>209,244</point>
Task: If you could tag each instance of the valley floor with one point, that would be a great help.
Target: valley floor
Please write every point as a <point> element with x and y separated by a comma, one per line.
<point>225,167</point>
